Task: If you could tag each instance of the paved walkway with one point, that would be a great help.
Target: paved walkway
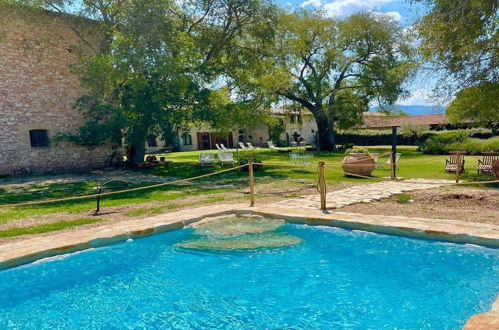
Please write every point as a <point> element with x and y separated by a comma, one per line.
<point>362,193</point>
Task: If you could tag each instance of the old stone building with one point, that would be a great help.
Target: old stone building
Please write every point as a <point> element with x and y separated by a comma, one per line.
<point>38,93</point>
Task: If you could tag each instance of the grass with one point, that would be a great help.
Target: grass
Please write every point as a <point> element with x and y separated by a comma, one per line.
<point>412,164</point>
<point>45,228</point>
<point>403,198</point>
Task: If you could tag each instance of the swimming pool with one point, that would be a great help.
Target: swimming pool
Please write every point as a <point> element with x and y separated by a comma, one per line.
<point>334,278</point>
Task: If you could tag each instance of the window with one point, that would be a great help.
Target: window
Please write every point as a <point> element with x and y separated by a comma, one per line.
<point>186,139</point>
<point>151,141</point>
<point>39,138</point>
<point>292,119</point>
<point>299,118</point>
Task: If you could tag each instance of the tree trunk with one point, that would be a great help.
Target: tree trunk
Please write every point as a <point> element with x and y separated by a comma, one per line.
<point>326,133</point>
<point>136,153</point>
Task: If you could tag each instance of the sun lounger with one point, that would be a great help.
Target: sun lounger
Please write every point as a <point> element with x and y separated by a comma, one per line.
<point>271,145</point>
<point>226,158</point>
<point>207,159</point>
<point>223,148</point>
<point>218,147</point>
<point>250,146</point>
<point>242,145</point>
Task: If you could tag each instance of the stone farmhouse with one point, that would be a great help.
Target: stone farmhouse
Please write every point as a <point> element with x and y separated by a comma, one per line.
<point>298,126</point>
<point>38,93</point>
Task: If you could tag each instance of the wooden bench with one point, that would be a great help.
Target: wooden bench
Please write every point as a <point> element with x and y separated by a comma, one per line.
<point>485,164</point>
<point>451,164</point>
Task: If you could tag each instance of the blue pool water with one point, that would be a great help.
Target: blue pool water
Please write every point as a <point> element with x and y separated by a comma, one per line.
<point>334,279</point>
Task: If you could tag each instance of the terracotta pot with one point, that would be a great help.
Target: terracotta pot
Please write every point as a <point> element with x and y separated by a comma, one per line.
<point>358,163</point>
<point>495,168</point>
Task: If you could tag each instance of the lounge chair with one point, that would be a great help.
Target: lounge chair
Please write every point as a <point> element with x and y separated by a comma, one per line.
<point>226,158</point>
<point>451,164</point>
<point>242,145</point>
<point>223,147</point>
<point>389,160</point>
<point>207,159</point>
<point>218,147</point>
<point>485,164</point>
<point>271,145</point>
<point>250,146</point>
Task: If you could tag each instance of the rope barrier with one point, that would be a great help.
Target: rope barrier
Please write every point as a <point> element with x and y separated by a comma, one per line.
<point>120,191</point>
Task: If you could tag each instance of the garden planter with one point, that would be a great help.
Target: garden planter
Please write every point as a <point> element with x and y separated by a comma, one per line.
<point>495,168</point>
<point>358,163</point>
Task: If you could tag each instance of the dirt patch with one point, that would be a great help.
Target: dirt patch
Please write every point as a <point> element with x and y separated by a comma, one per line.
<point>466,204</point>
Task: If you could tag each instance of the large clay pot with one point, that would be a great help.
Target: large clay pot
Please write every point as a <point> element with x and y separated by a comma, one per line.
<point>495,168</point>
<point>358,163</point>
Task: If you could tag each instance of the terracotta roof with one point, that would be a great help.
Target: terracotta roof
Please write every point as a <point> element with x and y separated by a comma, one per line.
<point>372,121</point>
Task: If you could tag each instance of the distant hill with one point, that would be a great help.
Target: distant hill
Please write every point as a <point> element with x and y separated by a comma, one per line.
<point>415,110</point>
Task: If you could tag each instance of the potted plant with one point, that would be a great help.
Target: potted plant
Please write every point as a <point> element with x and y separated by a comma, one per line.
<point>358,161</point>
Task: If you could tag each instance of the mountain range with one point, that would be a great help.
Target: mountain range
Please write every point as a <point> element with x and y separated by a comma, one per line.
<point>414,110</point>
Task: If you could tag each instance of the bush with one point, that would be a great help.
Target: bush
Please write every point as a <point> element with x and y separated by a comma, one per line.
<point>384,137</point>
<point>447,143</point>
<point>437,144</point>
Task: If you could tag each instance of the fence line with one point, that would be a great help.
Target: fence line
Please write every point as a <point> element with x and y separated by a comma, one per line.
<point>320,185</point>
<point>121,191</point>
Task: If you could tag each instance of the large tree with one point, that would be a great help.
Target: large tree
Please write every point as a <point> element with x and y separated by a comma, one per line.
<point>334,68</point>
<point>461,39</point>
<point>161,66</point>
<point>478,104</point>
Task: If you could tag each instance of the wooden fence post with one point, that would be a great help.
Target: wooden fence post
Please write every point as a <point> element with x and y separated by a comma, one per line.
<point>393,165</point>
<point>321,183</point>
<point>458,166</point>
<point>251,183</point>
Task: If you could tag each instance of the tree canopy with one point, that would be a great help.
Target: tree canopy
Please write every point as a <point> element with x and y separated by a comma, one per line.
<point>479,104</point>
<point>462,38</point>
<point>161,66</point>
<point>334,68</point>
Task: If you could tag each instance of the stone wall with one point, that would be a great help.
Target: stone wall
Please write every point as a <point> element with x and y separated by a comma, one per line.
<point>38,91</point>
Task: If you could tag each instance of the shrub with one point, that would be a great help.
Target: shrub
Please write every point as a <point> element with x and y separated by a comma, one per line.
<point>437,144</point>
<point>403,198</point>
<point>471,146</point>
<point>357,150</point>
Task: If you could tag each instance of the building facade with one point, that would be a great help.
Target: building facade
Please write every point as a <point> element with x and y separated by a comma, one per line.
<point>38,94</point>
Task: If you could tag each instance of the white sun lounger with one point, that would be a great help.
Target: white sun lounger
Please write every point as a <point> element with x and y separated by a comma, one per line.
<point>250,146</point>
<point>207,159</point>
<point>226,158</point>
<point>242,145</point>
<point>218,147</point>
<point>223,147</point>
<point>271,145</point>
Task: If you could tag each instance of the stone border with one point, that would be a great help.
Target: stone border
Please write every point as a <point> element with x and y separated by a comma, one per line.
<point>23,252</point>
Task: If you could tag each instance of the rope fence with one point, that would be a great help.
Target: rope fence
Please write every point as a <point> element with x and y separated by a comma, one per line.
<point>320,184</point>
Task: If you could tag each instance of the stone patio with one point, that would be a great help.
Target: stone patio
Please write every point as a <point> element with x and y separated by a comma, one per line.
<point>362,193</point>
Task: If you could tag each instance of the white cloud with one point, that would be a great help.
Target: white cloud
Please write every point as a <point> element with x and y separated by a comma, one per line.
<point>394,15</point>
<point>348,7</point>
<point>418,97</point>
<point>314,3</point>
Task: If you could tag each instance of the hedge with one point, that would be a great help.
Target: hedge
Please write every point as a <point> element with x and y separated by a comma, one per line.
<point>373,138</point>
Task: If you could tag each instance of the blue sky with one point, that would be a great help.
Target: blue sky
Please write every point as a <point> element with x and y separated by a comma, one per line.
<point>400,10</point>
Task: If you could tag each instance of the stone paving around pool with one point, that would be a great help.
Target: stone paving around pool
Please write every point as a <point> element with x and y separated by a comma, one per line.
<point>362,193</point>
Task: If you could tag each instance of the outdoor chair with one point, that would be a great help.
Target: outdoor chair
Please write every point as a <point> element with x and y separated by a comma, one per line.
<point>250,146</point>
<point>451,164</point>
<point>389,160</point>
<point>207,159</point>
<point>223,148</point>
<point>218,147</point>
<point>242,145</point>
<point>485,164</point>
<point>271,145</point>
<point>226,158</point>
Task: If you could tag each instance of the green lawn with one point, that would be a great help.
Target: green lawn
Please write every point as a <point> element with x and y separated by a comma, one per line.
<point>216,188</point>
